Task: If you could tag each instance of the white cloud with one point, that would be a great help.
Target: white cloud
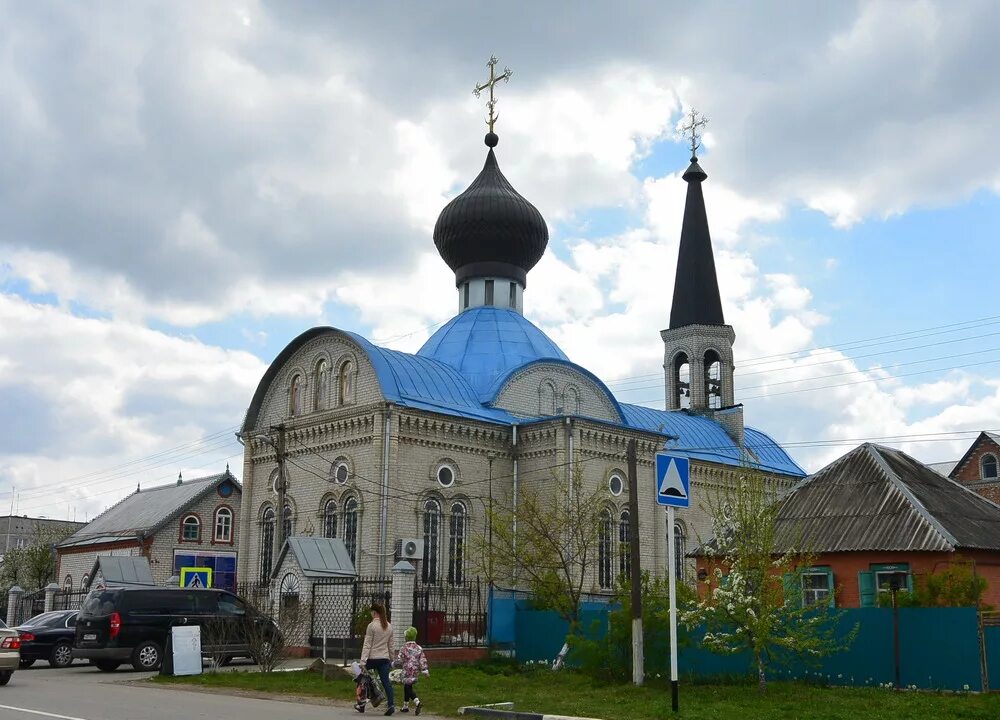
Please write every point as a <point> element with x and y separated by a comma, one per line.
<point>95,394</point>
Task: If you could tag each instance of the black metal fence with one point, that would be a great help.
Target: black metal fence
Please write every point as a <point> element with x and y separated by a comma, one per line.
<point>450,615</point>
<point>340,611</point>
<point>27,606</point>
<point>68,599</point>
<point>257,595</point>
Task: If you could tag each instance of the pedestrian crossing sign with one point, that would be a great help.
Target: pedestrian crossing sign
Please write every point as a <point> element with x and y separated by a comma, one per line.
<point>196,577</point>
<point>673,480</point>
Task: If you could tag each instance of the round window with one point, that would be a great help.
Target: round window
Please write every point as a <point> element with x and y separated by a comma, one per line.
<point>616,485</point>
<point>225,490</point>
<point>446,476</point>
<point>341,473</point>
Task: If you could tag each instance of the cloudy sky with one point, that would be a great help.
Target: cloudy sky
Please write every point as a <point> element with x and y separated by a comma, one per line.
<point>186,186</point>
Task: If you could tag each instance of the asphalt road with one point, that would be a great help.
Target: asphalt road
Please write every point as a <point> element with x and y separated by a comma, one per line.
<point>84,693</point>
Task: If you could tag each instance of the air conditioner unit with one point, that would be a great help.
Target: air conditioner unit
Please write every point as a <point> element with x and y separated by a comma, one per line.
<point>409,549</point>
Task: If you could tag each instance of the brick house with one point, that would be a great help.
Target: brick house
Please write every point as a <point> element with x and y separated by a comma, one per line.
<point>876,517</point>
<point>383,446</point>
<point>979,468</point>
<point>17,531</point>
<point>191,523</point>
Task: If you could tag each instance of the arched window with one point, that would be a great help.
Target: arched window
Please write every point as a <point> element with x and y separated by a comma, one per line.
<point>191,529</point>
<point>295,396</point>
<point>989,467</point>
<point>330,519</point>
<point>624,546</point>
<point>680,549</point>
<point>432,531</point>
<point>682,378</point>
<point>604,577</point>
<point>572,401</point>
<point>547,399</point>
<point>223,525</point>
<point>68,583</point>
<point>713,379</point>
<point>266,544</point>
<point>322,384</point>
<point>289,594</point>
<point>346,383</point>
<point>351,528</point>
<point>287,517</point>
<point>456,545</point>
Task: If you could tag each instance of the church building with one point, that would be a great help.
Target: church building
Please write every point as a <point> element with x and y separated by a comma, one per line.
<point>396,453</point>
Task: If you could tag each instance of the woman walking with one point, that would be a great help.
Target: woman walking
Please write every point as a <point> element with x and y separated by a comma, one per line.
<point>377,651</point>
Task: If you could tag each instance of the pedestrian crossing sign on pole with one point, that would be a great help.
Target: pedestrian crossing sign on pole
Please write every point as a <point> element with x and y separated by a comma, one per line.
<point>196,577</point>
<point>673,480</point>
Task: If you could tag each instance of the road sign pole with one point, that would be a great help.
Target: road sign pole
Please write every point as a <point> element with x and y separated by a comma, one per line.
<point>672,575</point>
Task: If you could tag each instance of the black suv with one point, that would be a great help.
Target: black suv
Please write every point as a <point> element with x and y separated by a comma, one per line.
<point>119,625</point>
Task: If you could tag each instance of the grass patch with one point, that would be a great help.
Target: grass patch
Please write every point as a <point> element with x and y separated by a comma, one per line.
<point>572,693</point>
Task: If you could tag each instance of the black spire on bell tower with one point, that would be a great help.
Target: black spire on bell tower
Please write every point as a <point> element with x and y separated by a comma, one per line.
<point>696,287</point>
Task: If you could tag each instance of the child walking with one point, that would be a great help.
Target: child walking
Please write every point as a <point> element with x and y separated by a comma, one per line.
<point>413,661</point>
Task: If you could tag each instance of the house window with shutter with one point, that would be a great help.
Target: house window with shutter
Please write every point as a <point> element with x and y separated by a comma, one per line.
<point>881,580</point>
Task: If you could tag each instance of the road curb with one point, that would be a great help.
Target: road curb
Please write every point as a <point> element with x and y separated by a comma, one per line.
<point>506,711</point>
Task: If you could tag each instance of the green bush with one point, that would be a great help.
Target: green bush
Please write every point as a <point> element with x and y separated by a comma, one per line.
<point>611,656</point>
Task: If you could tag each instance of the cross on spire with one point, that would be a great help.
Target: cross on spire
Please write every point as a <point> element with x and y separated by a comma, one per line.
<point>489,84</point>
<point>691,130</point>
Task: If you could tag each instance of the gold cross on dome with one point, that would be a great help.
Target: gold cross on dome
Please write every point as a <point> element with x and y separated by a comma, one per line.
<point>696,121</point>
<point>494,79</point>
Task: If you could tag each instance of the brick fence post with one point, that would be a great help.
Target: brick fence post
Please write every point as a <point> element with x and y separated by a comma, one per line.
<point>13,598</point>
<point>50,596</point>
<point>404,577</point>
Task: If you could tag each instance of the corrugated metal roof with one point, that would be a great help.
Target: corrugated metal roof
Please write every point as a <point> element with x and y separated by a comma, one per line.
<point>145,511</point>
<point>318,557</point>
<point>123,570</point>
<point>878,498</point>
<point>943,468</point>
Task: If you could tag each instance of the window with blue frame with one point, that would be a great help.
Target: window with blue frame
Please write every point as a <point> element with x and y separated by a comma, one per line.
<point>882,579</point>
<point>222,565</point>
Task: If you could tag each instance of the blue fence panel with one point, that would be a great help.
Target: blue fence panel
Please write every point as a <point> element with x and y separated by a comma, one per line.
<point>541,633</point>
<point>991,638</point>
<point>939,648</point>
<point>501,618</point>
<point>870,658</point>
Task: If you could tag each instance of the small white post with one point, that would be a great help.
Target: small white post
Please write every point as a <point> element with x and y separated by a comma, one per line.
<point>324,643</point>
<point>672,575</point>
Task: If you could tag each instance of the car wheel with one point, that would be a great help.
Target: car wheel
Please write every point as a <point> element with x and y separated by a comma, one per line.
<point>106,665</point>
<point>26,663</point>
<point>62,655</point>
<point>147,656</point>
<point>5,676</point>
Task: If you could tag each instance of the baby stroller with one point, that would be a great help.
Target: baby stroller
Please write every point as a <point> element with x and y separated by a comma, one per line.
<point>367,688</point>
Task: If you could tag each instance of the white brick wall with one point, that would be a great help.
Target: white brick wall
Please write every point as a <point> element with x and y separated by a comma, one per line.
<point>420,441</point>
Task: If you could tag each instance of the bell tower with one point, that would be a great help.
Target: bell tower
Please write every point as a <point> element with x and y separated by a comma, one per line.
<point>698,345</point>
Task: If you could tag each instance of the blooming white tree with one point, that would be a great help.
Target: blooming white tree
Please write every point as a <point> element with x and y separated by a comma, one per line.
<point>752,600</point>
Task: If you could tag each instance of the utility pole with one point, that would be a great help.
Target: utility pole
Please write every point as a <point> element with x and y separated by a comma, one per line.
<point>638,669</point>
<point>489,528</point>
<point>279,525</point>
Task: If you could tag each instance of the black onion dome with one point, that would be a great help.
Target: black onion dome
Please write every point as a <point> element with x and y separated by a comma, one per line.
<point>490,229</point>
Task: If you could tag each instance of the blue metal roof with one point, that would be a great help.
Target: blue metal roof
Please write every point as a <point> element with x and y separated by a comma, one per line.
<point>486,343</point>
<point>704,439</point>
<point>462,367</point>
<point>426,383</point>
